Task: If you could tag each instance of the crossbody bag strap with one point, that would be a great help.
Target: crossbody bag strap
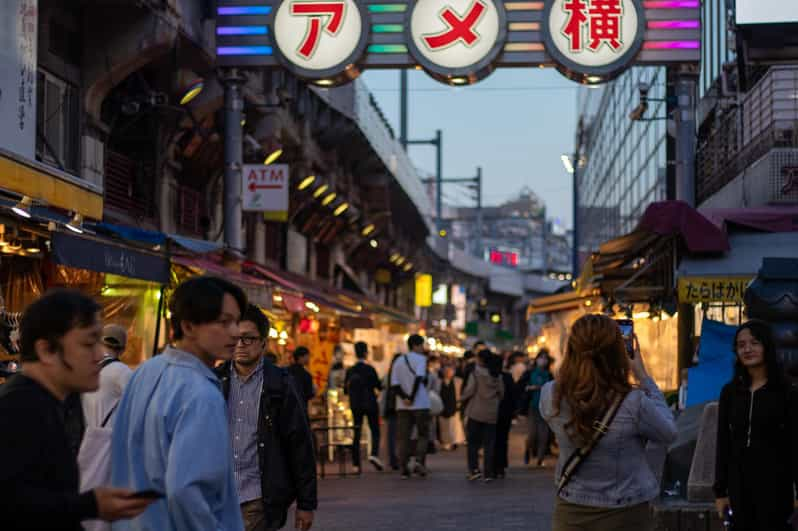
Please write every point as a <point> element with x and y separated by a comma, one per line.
<point>108,415</point>
<point>600,428</point>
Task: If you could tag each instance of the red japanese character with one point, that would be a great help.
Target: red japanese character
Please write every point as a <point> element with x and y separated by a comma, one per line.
<point>458,28</point>
<point>605,23</point>
<point>576,18</point>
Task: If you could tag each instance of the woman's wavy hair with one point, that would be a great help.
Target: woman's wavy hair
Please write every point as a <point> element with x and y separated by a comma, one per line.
<point>595,369</point>
<point>764,334</point>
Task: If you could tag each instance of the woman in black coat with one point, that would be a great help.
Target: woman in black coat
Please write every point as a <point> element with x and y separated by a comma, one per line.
<point>756,467</point>
<point>507,410</point>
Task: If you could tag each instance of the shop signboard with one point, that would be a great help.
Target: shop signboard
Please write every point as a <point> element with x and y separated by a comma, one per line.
<point>18,38</point>
<point>265,189</point>
<point>423,291</point>
<point>457,42</point>
<point>693,290</point>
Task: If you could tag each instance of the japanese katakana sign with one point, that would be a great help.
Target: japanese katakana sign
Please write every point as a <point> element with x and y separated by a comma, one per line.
<point>265,189</point>
<point>713,289</point>
<point>321,39</point>
<point>593,38</point>
<point>456,38</point>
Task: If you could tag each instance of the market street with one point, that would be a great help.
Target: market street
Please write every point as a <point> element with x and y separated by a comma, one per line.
<point>443,501</point>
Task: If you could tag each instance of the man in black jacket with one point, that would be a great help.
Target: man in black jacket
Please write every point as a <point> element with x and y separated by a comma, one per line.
<point>301,376</point>
<point>273,455</point>
<point>60,354</point>
<point>362,384</point>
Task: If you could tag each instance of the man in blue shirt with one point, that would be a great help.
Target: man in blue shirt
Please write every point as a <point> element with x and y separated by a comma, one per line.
<point>170,434</point>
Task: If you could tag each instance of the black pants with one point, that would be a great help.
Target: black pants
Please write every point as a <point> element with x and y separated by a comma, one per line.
<point>479,435</point>
<point>407,419</point>
<point>539,437</point>
<point>374,427</point>
<point>502,444</point>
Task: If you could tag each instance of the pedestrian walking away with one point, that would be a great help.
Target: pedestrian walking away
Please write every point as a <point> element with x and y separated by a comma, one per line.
<point>60,353</point>
<point>388,410</point>
<point>484,391</point>
<point>273,456</point>
<point>756,467</point>
<point>362,385</point>
<point>504,422</point>
<point>409,381</point>
<point>302,378</point>
<point>170,434</point>
<point>596,414</point>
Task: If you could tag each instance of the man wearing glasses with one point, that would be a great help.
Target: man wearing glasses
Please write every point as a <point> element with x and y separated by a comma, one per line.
<point>273,458</point>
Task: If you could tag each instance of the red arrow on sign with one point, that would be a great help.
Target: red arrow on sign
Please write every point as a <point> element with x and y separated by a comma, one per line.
<point>252,187</point>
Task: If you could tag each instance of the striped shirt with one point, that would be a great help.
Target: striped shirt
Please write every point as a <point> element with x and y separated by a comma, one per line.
<point>242,408</point>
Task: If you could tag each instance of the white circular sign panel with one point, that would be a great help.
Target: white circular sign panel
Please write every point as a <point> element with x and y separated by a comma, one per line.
<point>318,35</point>
<point>455,34</point>
<point>593,33</point>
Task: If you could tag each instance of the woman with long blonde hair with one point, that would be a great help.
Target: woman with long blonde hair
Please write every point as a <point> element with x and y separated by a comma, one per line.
<point>610,489</point>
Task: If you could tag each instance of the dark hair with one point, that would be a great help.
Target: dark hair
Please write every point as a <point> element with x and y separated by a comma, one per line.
<point>272,357</point>
<point>468,354</point>
<point>361,350</point>
<point>414,341</point>
<point>198,300</point>
<point>300,352</point>
<point>52,317</point>
<point>764,334</point>
<point>254,315</point>
<point>544,352</point>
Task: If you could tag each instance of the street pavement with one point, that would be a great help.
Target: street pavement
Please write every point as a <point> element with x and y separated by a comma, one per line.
<point>444,500</point>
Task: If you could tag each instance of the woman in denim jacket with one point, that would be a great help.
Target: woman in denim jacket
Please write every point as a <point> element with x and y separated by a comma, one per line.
<point>612,488</point>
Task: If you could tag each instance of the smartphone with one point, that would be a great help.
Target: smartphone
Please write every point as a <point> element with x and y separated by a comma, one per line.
<point>627,327</point>
<point>149,494</point>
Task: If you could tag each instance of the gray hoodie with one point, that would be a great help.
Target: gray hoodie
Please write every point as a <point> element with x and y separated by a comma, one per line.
<point>485,392</point>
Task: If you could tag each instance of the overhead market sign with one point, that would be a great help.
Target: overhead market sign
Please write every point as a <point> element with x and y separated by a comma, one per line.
<point>457,42</point>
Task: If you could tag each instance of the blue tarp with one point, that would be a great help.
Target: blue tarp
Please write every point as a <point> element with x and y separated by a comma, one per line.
<point>158,238</point>
<point>715,363</point>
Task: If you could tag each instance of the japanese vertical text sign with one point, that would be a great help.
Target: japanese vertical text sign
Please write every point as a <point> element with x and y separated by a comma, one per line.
<point>593,38</point>
<point>265,189</point>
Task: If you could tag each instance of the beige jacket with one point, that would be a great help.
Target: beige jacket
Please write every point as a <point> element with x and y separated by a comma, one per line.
<point>485,392</point>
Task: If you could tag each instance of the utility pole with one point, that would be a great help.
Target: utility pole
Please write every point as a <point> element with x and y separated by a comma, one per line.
<point>575,265</point>
<point>403,108</point>
<point>479,211</point>
<point>233,159</point>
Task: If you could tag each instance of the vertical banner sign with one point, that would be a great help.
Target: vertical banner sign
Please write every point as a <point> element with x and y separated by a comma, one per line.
<point>593,40</point>
<point>265,189</point>
<point>18,37</point>
<point>423,291</point>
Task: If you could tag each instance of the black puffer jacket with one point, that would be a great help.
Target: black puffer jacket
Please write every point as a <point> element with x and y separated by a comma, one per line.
<point>285,445</point>
<point>757,454</point>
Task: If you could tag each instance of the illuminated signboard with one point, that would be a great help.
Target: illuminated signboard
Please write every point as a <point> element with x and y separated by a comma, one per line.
<point>503,257</point>
<point>458,42</point>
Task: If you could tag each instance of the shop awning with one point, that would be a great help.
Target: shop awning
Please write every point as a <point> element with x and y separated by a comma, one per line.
<point>258,291</point>
<point>95,254</point>
<point>152,237</point>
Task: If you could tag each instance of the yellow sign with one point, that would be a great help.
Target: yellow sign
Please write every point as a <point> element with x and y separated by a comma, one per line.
<point>713,289</point>
<point>424,291</point>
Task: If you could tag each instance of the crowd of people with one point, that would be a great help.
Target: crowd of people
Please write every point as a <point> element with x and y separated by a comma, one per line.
<point>212,434</point>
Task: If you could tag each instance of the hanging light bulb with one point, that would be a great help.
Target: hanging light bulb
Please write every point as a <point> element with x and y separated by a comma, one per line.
<point>320,190</point>
<point>368,229</point>
<point>273,156</point>
<point>192,91</point>
<point>340,209</point>
<point>329,199</point>
<point>307,181</point>
<point>76,224</point>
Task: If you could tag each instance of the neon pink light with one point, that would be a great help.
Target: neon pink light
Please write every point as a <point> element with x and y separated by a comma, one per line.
<point>672,4</point>
<point>672,45</point>
<point>674,24</point>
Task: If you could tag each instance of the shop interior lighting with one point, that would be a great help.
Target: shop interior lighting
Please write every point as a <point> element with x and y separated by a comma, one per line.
<point>368,229</point>
<point>641,315</point>
<point>374,244</point>
<point>76,224</point>
<point>278,298</point>
<point>312,306</point>
<point>588,303</point>
<point>273,156</point>
<point>32,247</point>
<point>283,335</point>
<point>306,182</point>
<point>273,333</point>
<point>14,245</point>
<point>408,266</point>
<point>22,209</point>
<point>324,82</point>
<point>394,257</point>
<point>192,91</point>
<point>243,122</point>
<point>329,199</point>
<point>401,260</point>
<point>320,190</point>
<point>340,209</point>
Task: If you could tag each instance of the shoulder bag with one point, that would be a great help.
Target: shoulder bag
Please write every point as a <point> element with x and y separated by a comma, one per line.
<point>600,428</point>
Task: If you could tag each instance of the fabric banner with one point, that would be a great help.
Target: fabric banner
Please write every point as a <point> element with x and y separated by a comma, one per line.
<point>716,363</point>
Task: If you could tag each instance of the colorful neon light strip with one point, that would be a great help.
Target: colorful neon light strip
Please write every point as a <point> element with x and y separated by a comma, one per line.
<point>674,24</point>
<point>672,45</point>
<point>524,26</point>
<point>241,30</point>
<point>244,10</point>
<point>672,4</point>
<point>523,47</point>
<point>387,48</point>
<point>387,8</point>
<point>387,28</point>
<point>523,6</point>
<point>244,50</point>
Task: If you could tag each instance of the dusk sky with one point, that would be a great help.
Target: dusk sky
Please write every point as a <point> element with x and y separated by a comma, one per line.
<point>515,124</point>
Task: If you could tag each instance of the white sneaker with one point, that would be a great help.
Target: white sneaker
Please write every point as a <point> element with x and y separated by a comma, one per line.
<point>375,461</point>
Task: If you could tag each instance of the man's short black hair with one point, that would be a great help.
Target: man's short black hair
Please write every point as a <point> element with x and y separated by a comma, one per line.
<point>361,350</point>
<point>272,358</point>
<point>52,316</point>
<point>254,315</point>
<point>300,352</point>
<point>414,341</point>
<point>198,300</point>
